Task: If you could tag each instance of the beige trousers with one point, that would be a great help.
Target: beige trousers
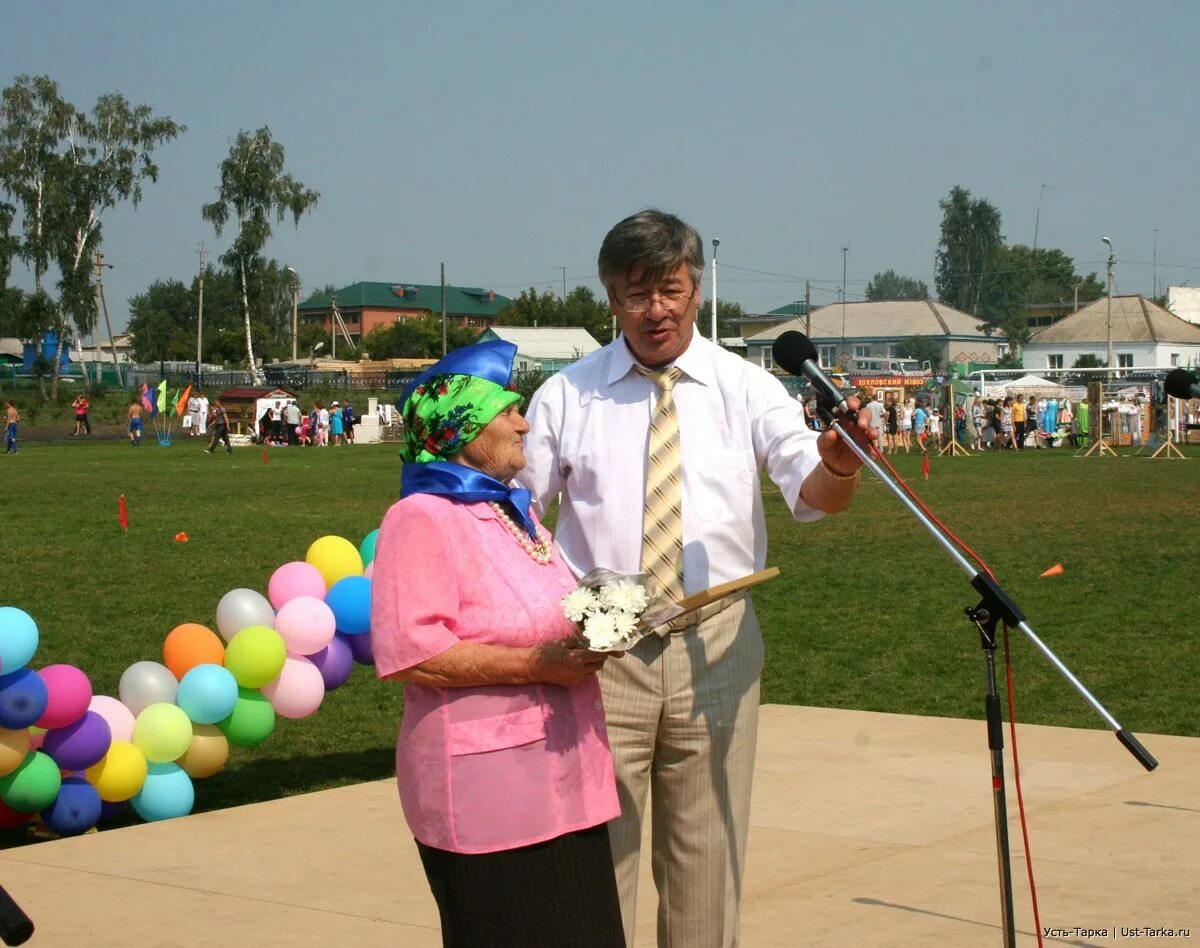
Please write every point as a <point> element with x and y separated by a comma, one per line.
<point>682,714</point>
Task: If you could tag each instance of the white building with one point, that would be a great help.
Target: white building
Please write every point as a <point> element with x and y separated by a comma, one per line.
<point>1144,336</point>
<point>545,349</point>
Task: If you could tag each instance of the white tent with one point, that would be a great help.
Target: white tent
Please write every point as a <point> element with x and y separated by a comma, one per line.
<point>1026,385</point>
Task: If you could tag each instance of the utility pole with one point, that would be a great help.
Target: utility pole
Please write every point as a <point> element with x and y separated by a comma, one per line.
<point>842,354</point>
<point>334,316</point>
<point>1109,267</point>
<point>1156,263</point>
<point>102,305</point>
<point>716,244</point>
<point>295,307</point>
<point>443,307</point>
<point>564,275</point>
<point>808,309</point>
<point>200,317</point>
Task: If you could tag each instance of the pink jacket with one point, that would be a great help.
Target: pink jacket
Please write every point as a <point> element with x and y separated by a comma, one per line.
<point>485,768</point>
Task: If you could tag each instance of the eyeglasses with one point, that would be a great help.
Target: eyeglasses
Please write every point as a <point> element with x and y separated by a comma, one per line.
<point>672,301</point>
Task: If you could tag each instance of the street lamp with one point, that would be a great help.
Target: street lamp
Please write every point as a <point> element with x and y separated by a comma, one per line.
<point>1111,261</point>
<point>312,361</point>
<point>716,244</point>
<point>295,306</point>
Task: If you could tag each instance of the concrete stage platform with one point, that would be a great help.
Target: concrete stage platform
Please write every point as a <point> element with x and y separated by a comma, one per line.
<point>868,829</point>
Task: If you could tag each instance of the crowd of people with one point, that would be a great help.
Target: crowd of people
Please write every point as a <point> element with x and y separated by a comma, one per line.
<point>283,423</point>
<point>981,424</point>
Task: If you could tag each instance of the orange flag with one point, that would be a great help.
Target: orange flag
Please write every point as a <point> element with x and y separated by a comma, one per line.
<point>925,467</point>
<point>181,405</point>
<point>122,513</point>
<point>1055,570</point>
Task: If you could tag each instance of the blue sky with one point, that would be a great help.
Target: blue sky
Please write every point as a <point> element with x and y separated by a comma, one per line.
<point>505,138</point>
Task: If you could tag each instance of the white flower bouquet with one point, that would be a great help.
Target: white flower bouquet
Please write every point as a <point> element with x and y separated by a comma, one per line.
<point>614,610</point>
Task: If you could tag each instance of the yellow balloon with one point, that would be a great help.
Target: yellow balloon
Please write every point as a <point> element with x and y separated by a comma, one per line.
<point>335,558</point>
<point>207,753</point>
<point>14,746</point>
<point>119,774</point>
<point>162,732</point>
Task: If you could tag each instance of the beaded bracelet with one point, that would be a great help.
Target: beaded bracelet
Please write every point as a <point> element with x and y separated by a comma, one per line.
<point>837,476</point>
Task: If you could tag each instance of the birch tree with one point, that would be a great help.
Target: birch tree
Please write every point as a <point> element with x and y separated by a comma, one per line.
<point>254,188</point>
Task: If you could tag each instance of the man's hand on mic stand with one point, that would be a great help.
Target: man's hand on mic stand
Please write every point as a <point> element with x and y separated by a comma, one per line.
<point>831,485</point>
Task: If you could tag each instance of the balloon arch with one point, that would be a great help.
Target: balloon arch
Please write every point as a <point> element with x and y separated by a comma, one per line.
<point>76,758</point>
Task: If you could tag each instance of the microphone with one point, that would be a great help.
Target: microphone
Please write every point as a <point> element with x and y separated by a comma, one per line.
<point>795,353</point>
<point>1182,384</point>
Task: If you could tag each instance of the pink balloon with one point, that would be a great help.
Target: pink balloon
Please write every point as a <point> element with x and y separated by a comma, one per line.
<point>69,691</point>
<point>305,624</point>
<point>370,570</point>
<point>119,717</point>
<point>295,579</point>
<point>299,689</point>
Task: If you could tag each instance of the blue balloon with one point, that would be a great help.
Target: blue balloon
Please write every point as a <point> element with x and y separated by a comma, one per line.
<point>166,794</point>
<point>18,639</point>
<point>366,549</point>
<point>207,693</point>
<point>360,648</point>
<point>350,600</point>
<point>75,810</point>
<point>23,698</point>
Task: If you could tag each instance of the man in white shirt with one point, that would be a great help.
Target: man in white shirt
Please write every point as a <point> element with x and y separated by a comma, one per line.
<point>200,422</point>
<point>681,708</point>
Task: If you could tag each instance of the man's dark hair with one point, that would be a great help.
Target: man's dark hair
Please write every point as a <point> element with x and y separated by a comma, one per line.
<point>654,240</point>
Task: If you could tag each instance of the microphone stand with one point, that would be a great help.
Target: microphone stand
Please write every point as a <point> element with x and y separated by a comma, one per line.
<point>15,926</point>
<point>995,606</point>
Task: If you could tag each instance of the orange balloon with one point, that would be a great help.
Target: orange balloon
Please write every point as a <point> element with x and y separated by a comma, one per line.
<point>189,645</point>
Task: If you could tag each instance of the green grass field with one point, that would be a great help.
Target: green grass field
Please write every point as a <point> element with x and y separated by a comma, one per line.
<point>868,613</point>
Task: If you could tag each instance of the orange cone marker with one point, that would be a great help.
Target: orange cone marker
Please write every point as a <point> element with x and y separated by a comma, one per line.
<point>123,514</point>
<point>181,537</point>
<point>925,467</point>
<point>1055,570</point>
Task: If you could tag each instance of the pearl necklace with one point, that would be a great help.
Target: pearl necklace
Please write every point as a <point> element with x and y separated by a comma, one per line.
<point>539,552</point>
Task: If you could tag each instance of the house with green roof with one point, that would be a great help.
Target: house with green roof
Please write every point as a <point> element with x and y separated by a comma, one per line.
<point>367,305</point>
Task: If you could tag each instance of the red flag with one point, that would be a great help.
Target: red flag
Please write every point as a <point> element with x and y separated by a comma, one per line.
<point>122,513</point>
<point>925,467</point>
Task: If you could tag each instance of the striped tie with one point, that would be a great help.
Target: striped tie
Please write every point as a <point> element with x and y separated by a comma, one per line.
<point>662,518</point>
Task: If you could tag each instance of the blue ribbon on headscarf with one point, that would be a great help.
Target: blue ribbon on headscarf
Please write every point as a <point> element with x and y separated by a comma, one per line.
<point>466,485</point>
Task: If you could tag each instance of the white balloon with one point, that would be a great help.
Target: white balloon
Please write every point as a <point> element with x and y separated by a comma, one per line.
<point>241,608</point>
<point>146,683</point>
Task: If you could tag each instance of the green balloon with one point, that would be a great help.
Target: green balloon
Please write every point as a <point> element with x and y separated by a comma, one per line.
<point>255,656</point>
<point>252,720</point>
<point>366,549</point>
<point>33,785</point>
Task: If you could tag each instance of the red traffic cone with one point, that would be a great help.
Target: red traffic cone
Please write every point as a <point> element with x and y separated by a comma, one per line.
<point>181,537</point>
<point>925,467</point>
<point>122,513</point>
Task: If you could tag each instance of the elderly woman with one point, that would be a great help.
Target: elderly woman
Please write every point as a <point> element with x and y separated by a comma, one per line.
<point>502,760</point>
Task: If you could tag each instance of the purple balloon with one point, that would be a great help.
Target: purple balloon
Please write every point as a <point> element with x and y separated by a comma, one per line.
<point>23,698</point>
<point>360,647</point>
<point>110,811</point>
<point>335,662</point>
<point>77,746</point>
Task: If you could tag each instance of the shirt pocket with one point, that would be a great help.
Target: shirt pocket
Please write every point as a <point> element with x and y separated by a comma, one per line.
<point>499,732</point>
<point>726,483</point>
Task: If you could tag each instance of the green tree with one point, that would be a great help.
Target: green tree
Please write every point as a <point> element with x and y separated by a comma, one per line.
<point>253,189</point>
<point>921,348</point>
<point>416,339</point>
<point>970,239</point>
<point>728,312</point>
<point>890,285</point>
<point>532,308</point>
<point>163,322</point>
<point>1089,361</point>
<point>65,168</point>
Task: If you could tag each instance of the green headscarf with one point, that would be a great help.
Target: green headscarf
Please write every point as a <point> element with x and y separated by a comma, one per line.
<point>446,412</point>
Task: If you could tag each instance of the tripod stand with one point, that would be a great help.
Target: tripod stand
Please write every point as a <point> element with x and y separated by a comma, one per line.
<point>15,926</point>
<point>994,607</point>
